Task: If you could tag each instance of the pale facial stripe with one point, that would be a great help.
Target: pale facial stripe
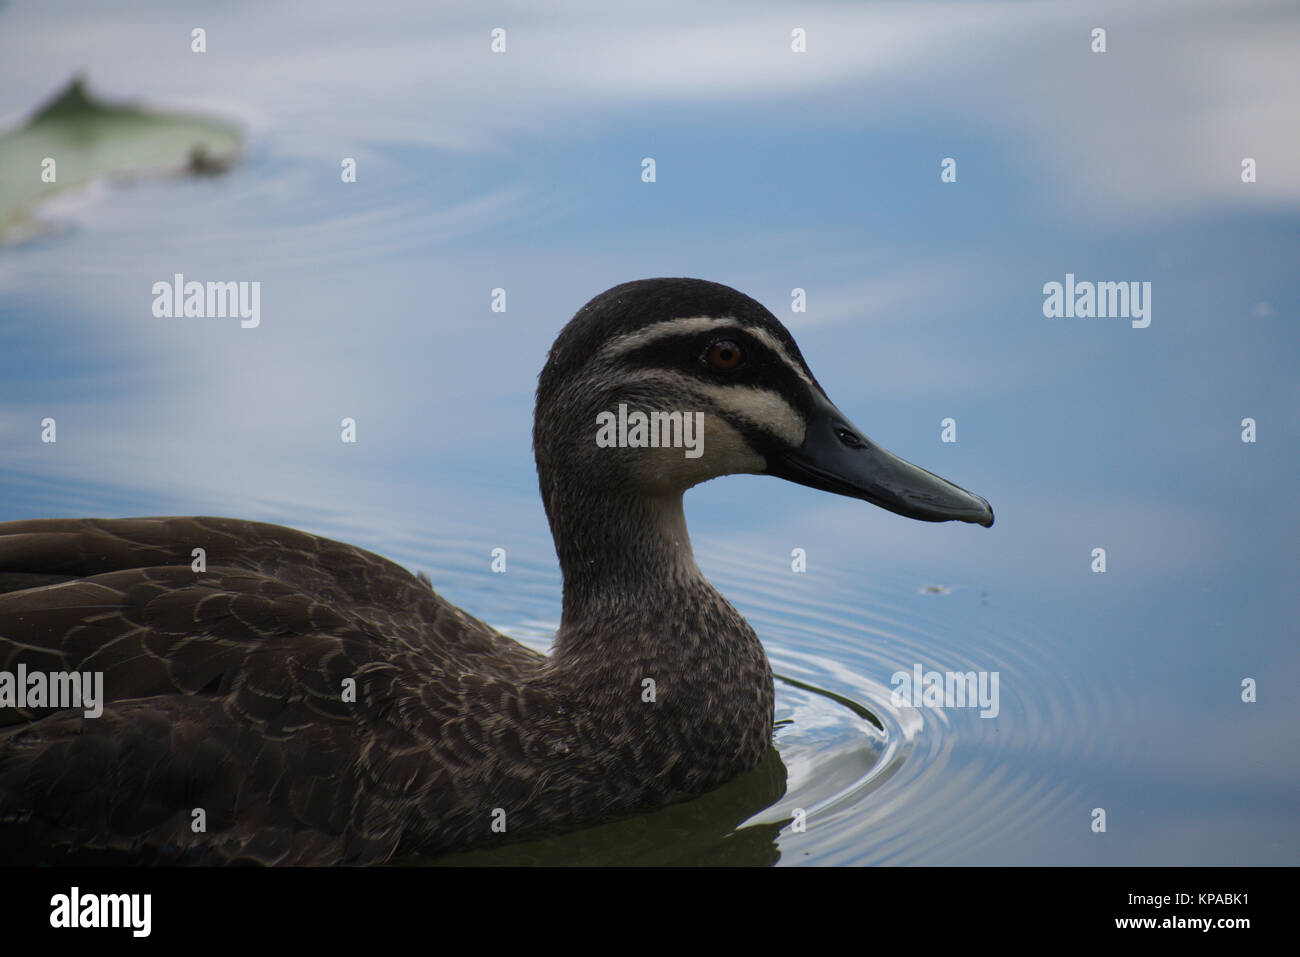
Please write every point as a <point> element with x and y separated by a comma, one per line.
<point>761,408</point>
<point>692,325</point>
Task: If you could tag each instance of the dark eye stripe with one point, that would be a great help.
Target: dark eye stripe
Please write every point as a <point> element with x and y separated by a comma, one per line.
<point>684,350</point>
<point>773,338</point>
<point>682,354</point>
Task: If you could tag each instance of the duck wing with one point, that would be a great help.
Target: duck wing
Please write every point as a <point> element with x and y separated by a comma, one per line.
<point>225,691</point>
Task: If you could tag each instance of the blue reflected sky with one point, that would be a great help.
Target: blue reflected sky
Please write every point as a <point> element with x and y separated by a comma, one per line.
<point>775,170</point>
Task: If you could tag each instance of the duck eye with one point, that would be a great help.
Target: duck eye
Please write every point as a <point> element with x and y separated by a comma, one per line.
<point>724,354</point>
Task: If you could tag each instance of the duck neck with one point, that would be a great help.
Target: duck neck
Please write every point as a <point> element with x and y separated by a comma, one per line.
<point>651,648</point>
<point>621,553</point>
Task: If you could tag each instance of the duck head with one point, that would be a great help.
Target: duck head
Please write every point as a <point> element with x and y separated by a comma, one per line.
<point>659,384</point>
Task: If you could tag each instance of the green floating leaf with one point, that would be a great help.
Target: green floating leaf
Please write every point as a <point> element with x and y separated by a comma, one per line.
<point>74,139</point>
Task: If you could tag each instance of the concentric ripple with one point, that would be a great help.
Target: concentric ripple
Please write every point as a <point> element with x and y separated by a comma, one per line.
<point>950,786</point>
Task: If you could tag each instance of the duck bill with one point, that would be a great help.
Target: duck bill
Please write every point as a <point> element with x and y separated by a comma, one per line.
<point>836,457</point>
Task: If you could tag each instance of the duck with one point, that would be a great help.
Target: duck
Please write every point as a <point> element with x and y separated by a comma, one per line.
<point>293,700</point>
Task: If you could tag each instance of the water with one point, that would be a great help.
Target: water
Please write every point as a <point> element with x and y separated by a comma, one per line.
<point>1118,691</point>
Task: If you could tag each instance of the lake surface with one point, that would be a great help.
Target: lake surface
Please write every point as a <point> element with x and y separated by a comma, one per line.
<point>1120,691</point>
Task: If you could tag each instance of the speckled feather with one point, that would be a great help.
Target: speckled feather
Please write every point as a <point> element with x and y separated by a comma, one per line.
<point>226,694</point>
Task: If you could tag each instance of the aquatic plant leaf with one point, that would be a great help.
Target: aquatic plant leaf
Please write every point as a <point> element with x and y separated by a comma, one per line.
<point>88,138</point>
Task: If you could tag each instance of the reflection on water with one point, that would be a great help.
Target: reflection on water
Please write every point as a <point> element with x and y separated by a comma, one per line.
<point>707,830</point>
